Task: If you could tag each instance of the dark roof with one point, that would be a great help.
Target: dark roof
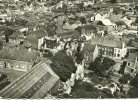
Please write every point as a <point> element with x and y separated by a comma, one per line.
<point>120,23</point>
<point>14,27</point>
<point>127,17</point>
<point>88,47</point>
<point>38,34</point>
<point>3,27</point>
<point>71,34</point>
<point>86,27</point>
<point>33,41</point>
<point>107,42</point>
<point>36,83</point>
<point>129,1</point>
<point>132,57</point>
<point>15,35</point>
<point>30,23</point>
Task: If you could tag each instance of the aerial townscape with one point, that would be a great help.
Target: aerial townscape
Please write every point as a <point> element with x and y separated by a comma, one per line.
<point>64,49</point>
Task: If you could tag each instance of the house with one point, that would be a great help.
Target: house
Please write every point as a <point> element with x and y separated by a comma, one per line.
<point>17,58</point>
<point>127,20</point>
<point>132,64</point>
<point>50,43</point>
<point>106,23</point>
<point>69,35</point>
<point>70,25</point>
<point>101,30</point>
<point>111,48</point>
<point>91,52</point>
<point>3,28</point>
<point>87,30</point>
<point>36,83</point>
<point>115,18</point>
<point>18,28</point>
<point>99,17</point>
<point>121,25</point>
<point>16,38</point>
<point>36,38</point>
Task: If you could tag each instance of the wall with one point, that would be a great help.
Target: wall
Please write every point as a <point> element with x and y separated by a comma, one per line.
<point>40,42</point>
<point>96,52</point>
<point>16,65</point>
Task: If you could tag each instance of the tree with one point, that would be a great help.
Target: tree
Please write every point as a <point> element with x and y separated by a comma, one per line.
<point>83,20</point>
<point>133,92</point>
<point>125,78</point>
<point>63,65</point>
<point>134,81</point>
<point>108,62</point>
<point>98,68</point>
<point>79,54</point>
<point>101,64</point>
<point>106,93</point>
<point>87,90</point>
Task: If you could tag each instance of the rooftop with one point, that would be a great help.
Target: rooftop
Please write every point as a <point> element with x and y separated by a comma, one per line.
<point>69,34</point>
<point>132,57</point>
<point>20,54</point>
<point>38,34</point>
<point>107,42</point>
<point>34,84</point>
<point>88,47</point>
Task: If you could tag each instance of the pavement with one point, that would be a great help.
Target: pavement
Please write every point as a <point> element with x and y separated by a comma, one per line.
<point>12,74</point>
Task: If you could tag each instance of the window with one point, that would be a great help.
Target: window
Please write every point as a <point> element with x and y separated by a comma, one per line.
<point>115,50</point>
<point>115,55</point>
<point>118,55</point>
<point>128,64</point>
<point>132,70</point>
<point>119,51</point>
<point>105,53</point>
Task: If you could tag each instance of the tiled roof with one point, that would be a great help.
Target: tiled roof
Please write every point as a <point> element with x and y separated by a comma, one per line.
<point>128,1</point>
<point>33,40</point>
<point>15,35</point>
<point>115,18</point>
<point>119,23</point>
<point>20,54</point>
<point>36,83</point>
<point>38,34</point>
<point>3,27</point>
<point>105,22</point>
<point>70,34</point>
<point>88,47</point>
<point>87,27</point>
<point>107,42</point>
<point>132,57</point>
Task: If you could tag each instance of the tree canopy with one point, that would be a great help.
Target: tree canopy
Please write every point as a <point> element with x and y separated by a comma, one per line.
<point>134,81</point>
<point>63,65</point>
<point>125,78</point>
<point>100,65</point>
<point>87,90</point>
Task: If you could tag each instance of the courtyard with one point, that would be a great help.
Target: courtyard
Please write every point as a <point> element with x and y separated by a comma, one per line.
<point>11,74</point>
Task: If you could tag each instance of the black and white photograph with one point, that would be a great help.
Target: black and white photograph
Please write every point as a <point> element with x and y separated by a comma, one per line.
<point>68,49</point>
